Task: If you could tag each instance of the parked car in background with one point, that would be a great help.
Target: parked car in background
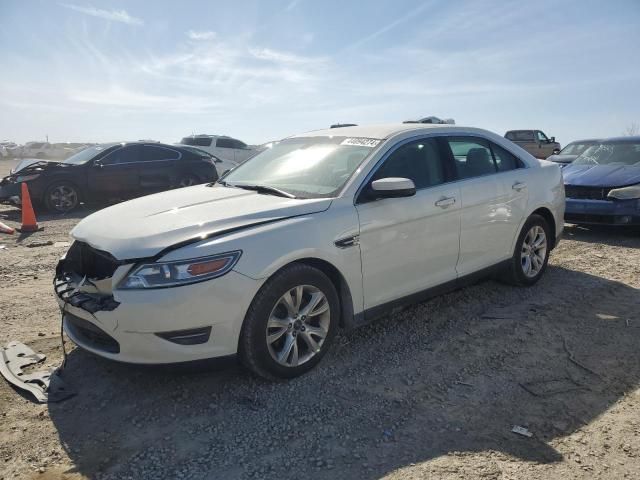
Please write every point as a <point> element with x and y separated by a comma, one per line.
<point>535,142</point>
<point>569,153</point>
<point>222,166</point>
<point>324,230</point>
<point>42,150</point>
<point>603,184</point>
<point>3,151</point>
<point>434,120</point>
<point>223,147</point>
<point>107,172</point>
<point>11,148</point>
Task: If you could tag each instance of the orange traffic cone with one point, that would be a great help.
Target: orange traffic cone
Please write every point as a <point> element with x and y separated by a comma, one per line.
<point>29,223</point>
<point>6,229</point>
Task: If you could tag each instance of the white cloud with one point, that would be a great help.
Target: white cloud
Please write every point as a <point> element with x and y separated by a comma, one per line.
<point>201,35</point>
<point>111,15</point>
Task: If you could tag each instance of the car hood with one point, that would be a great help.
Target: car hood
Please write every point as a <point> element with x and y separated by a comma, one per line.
<point>601,175</point>
<point>562,158</point>
<point>144,227</point>
<point>30,161</point>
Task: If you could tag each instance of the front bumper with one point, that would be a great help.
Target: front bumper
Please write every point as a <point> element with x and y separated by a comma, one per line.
<point>10,192</point>
<point>602,212</point>
<point>152,326</point>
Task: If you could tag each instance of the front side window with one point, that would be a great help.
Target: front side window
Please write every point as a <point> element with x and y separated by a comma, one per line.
<point>123,155</point>
<point>472,157</point>
<point>542,138</point>
<point>307,167</point>
<point>419,161</point>
<point>620,153</point>
<point>520,136</point>
<point>152,154</point>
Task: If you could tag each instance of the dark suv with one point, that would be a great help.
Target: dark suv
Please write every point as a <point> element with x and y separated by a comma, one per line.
<point>108,172</point>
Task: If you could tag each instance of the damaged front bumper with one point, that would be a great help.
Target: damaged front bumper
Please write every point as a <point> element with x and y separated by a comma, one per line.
<point>154,326</point>
<point>10,192</point>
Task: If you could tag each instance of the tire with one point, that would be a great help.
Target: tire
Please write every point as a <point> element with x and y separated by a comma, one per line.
<point>61,197</point>
<point>272,329</point>
<point>529,261</point>
<point>187,181</point>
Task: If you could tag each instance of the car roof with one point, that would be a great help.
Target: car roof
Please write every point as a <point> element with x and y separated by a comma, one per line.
<point>384,131</point>
<point>586,140</point>
<point>205,135</point>
<point>630,139</point>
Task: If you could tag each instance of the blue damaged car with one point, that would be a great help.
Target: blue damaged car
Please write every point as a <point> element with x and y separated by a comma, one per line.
<point>602,185</point>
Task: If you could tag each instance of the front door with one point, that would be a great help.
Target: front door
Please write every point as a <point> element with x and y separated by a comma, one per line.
<point>409,244</point>
<point>115,176</point>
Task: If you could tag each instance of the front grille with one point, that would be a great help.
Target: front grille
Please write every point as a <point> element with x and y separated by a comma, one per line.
<point>601,219</point>
<point>83,259</point>
<point>90,335</point>
<point>586,193</point>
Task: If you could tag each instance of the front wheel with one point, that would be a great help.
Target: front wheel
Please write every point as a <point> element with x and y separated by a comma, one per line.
<point>531,254</point>
<point>291,323</point>
<point>61,197</point>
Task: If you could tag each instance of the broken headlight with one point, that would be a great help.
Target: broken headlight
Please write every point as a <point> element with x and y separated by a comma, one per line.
<point>625,193</point>
<point>179,272</point>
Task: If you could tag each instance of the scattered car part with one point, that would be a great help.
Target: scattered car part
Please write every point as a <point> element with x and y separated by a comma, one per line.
<point>45,385</point>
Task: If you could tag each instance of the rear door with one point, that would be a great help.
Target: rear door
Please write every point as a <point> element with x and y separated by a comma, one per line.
<point>115,176</point>
<point>409,244</point>
<point>494,198</point>
<point>159,168</point>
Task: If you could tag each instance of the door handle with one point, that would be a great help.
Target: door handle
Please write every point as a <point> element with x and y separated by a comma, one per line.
<point>445,202</point>
<point>519,186</point>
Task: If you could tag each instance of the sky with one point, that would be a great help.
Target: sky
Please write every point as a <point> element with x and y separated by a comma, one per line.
<point>262,70</point>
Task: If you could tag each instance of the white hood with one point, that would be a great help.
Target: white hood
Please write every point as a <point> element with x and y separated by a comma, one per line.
<point>143,227</point>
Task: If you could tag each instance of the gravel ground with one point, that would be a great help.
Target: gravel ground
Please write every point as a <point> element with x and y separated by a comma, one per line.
<point>431,392</point>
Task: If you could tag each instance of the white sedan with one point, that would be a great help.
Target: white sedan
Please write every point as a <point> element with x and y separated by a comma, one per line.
<point>325,230</point>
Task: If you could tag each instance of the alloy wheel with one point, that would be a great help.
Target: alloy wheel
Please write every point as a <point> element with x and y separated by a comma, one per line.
<point>63,198</point>
<point>298,325</point>
<point>534,251</point>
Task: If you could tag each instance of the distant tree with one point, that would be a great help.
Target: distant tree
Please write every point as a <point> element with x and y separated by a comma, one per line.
<point>632,130</point>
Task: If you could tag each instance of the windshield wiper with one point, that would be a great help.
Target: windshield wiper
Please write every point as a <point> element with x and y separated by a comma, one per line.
<point>262,189</point>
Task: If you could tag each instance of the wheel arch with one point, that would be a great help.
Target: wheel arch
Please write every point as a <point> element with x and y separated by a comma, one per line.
<point>339,282</point>
<point>545,213</point>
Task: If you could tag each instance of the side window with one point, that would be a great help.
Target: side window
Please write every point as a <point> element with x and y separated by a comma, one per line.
<point>505,160</point>
<point>225,143</point>
<point>419,161</point>
<point>239,145</point>
<point>197,141</point>
<point>126,154</point>
<point>541,137</point>
<point>472,157</point>
<point>153,153</point>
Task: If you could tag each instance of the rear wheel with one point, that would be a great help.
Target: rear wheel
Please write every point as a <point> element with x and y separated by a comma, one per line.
<point>291,323</point>
<point>531,254</point>
<point>61,197</point>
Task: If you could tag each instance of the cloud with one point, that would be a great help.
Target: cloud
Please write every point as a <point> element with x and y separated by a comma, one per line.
<point>201,35</point>
<point>112,15</point>
<point>292,4</point>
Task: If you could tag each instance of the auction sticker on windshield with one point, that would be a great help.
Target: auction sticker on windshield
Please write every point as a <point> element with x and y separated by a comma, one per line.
<point>360,142</point>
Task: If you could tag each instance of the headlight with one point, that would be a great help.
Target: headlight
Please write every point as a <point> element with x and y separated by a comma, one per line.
<point>26,178</point>
<point>179,272</point>
<point>625,193</point>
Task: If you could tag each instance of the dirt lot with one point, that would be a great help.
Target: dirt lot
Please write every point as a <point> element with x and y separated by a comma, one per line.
<point>431,392</point>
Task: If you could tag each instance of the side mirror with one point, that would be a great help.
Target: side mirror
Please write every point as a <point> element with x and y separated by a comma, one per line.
<point>98,164</point>
<point>552,139</point>
<point>393,187</point>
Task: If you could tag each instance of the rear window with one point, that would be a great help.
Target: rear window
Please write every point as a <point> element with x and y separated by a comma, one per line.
<point>196,141</point>
<point>520,136</point>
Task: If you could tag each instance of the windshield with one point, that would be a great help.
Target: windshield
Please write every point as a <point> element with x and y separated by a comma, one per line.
<point>87,154</point>
<point>308,167</point>
<point>623,153</point>
<point>576,148</point>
